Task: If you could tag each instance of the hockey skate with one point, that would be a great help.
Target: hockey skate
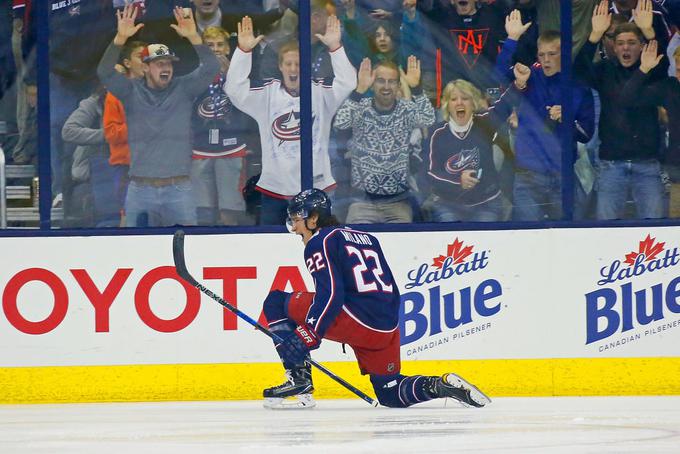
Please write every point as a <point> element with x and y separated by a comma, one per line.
<point>295,392</point>
<point>451,385</point>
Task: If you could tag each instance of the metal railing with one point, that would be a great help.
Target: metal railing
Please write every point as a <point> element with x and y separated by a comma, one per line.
<point>3,191</point>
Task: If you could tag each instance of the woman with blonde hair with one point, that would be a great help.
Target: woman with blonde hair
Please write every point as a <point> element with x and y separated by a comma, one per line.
<point>461,169</point>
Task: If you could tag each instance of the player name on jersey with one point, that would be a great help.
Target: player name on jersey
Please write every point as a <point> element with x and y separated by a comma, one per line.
<point>357,238</point>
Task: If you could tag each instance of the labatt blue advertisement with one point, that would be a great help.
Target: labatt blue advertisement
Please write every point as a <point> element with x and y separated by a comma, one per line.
<point>637,295</point>
<point>449,297</point>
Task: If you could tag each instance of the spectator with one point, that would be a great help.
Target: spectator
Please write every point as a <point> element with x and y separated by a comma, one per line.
<point>207,14</point>
<point>226,14</point>
<point>356,26</point>
<point>23,26</point>
<point>116,132</point>
<point>26,149</point>
<point>321,61</point>
<point>275,106</point>
<point>23,41</point>
<point>607,43</point>
<point>383,42</point>
<point>158,111</point>
<point>629,150</point>
<point>221,139</point>
<point>548,18</point>
<point>8,70</point>
<point>537,191</point>
<point>416,39</point>
<point>79,35</point>
<point>660,30</point>
<point>381,128</point>
<point>467,38</point>
<point>83,128</point>
<point>465,184</point>
<point>664,93</point>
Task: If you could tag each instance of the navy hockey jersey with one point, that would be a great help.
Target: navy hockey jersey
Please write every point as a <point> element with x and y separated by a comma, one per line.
<point>350,274</point>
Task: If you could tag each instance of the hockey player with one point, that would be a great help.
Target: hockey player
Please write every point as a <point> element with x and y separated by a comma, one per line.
<point>356,303</point>
<point>275,105</point>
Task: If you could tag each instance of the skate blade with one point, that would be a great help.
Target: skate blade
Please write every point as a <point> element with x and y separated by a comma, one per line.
<point>475,393</point>
<point>301,401</point>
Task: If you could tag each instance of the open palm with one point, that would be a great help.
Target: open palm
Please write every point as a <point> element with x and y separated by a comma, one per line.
<point>126,23</point>
<point>246,38</point>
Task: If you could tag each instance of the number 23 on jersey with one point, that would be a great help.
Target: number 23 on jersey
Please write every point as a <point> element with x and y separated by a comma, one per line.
<point>367,273</point>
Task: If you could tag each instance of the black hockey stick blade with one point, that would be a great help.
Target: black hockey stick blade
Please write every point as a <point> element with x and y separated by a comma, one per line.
<point>178,256</point>
<point>183,272</point>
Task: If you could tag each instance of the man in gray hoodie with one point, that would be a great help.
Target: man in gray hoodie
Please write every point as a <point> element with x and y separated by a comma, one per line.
<point>158,110</point>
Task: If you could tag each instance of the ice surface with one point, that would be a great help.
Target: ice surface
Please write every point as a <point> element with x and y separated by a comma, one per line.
<point>514,425</point>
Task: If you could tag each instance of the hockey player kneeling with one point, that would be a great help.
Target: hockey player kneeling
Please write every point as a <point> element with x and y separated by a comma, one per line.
<point>356,303</point>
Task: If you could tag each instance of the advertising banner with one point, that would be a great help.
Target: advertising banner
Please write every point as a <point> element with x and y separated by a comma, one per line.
<point>560,293</point>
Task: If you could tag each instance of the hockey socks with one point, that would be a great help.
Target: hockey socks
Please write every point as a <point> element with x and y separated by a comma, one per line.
<point>403,391</point>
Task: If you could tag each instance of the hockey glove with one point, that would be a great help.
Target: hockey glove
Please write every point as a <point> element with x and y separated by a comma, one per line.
<point>295,348</point>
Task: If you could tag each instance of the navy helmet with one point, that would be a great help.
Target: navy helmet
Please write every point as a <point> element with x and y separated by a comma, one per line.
<point>308,202</point>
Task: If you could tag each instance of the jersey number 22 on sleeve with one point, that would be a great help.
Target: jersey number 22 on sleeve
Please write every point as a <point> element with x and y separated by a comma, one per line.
<point>364,285</point>
<point>315,262</point>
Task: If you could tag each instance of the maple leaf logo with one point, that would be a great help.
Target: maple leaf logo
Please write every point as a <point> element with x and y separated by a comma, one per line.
<point>646,248</point>
<point>454,250</point>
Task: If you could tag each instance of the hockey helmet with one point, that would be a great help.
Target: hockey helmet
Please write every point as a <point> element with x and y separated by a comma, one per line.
<point>308,202</point>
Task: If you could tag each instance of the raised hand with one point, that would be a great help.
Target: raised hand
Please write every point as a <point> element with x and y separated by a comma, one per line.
<point>332,38</point>
<point>246,38</point>
<point>601,21</point>
<point>365,76</point>
<point>649,58</point>
<point>513,25</point>
<point>186,26</point>
<point>380,14</point>
<point>126,24</point>
<point>643,16</point>
<point>412,74</point>
<point>522,73</point>
<point>409,7</point>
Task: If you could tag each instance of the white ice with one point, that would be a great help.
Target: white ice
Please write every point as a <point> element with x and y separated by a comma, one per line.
<point>508,425</point>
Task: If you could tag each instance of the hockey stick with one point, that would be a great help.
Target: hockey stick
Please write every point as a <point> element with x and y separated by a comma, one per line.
<point>181,267</point>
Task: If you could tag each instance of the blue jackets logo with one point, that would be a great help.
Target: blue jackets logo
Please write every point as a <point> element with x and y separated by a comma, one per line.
<point>447,310</point>
<point>619,306</point>
<point>286,127</point>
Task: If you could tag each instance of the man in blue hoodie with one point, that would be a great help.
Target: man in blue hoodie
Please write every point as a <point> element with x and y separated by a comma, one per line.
<point>537,189</point>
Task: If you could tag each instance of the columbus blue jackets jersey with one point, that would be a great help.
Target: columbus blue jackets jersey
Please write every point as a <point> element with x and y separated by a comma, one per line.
<point>277,113</point>
<point>350,274</point>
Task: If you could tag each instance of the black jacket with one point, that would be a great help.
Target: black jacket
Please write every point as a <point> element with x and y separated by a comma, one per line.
<point>664,93</point>
<point>626,133</point>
